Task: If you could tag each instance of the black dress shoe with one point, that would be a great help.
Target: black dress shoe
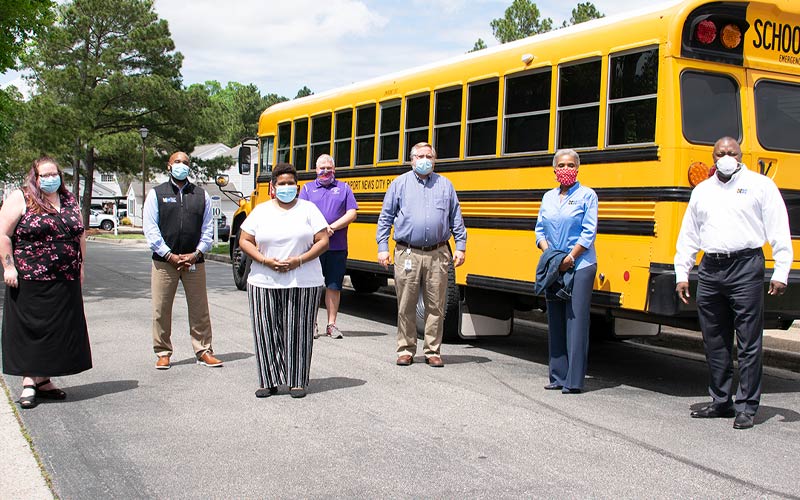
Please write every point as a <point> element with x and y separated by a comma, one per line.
<point>713,411</point>
<point>567,390</point>
<point>743,421</point>
<point>553,386</point>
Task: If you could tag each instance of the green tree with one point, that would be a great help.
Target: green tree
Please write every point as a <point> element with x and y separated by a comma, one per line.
<point>521,19</point>
<point>108,67</point>
<point>305,91</point>
<point>479,45</point>
<point>583,12</point>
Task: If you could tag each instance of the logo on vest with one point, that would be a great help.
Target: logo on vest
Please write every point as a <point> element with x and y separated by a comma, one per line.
<point>169,199</point>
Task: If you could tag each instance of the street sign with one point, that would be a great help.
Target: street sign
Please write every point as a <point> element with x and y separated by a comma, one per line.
<point>216,207</point>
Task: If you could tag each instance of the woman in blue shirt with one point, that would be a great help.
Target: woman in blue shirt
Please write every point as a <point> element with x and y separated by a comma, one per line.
<point>568,222</point>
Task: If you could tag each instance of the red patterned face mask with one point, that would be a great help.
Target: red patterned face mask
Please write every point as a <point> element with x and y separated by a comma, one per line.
<point>567,176</point>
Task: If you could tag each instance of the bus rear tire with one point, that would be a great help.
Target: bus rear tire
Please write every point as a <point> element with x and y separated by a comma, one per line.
<point>366,282</point>
<point>241,264</point>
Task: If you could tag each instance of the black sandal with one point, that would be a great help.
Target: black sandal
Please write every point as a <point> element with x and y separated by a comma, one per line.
<point>265,392</point>
<point>27,402</point>
<point>297,392</point>
<point>50,393</point>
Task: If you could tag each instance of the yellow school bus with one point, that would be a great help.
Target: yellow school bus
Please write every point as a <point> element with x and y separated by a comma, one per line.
<point>642,97</point>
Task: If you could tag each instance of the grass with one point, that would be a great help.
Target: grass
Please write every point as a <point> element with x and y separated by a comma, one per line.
<point>220,249</point>
<point>112,236</point>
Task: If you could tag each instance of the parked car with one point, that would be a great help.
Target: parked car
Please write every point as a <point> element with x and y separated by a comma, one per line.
<point>223,229</point>
<point>102,220</point>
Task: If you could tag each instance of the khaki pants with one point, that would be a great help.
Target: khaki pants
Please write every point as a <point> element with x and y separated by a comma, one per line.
<point>428,273</point>
<point>163,285</point>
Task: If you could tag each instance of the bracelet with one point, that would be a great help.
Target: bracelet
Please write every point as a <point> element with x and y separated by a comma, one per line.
<point>301,260</point>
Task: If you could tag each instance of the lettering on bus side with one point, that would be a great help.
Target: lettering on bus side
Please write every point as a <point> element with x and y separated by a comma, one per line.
<point>370,184</point>
<point>777,37</point>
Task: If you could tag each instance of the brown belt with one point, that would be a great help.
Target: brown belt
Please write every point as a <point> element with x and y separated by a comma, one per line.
<point>424,249</point>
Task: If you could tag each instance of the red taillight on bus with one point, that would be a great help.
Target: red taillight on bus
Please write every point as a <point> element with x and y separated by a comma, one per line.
<point>706,32</point>
<point>731,36</point>
<point>698,172</point>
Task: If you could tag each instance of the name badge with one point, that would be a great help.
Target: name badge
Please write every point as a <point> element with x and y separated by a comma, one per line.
<point>169,199</point>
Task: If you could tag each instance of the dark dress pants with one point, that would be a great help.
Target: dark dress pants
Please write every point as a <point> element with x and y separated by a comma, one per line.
<point>568,331</point>
<point>730,297</point>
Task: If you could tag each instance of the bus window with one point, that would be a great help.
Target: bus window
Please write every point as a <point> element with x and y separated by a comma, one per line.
<point>447,123</point>
<point>709,107</point>
<point>482,118</point>
<point>418,111</point>
<point>365,135</point>
<point>265,165</point>
<point>778,115</point>
<point>632,98</point>
<point>527,112</point>
<point>300,144</point>
<point>284,142</point>
<point>578,105</point>
<point>320,137</point>
<point>341,141</point>
<point>389,147</point>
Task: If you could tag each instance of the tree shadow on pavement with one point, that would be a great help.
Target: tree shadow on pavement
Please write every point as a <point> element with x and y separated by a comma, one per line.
<point>354,333</point>
<point>783,415</point>
<point>317,385</point>
<point>225,358</point>
<point>98,389</point>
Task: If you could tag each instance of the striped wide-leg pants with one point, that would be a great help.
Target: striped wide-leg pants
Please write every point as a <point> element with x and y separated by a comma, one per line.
<point>283,322</point>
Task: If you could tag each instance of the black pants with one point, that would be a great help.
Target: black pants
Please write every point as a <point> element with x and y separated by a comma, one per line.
<point>730,297</point>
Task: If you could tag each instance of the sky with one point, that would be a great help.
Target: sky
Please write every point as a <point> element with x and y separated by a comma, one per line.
<point>282,45</point>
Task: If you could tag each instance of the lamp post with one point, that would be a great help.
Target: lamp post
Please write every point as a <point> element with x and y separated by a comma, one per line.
<point>143,132</point>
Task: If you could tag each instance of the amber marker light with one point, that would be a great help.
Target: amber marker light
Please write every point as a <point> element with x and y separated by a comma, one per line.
<point>706,32</point>
<point>731,36</point>
<point>242,202</point>
<point>698,172</point>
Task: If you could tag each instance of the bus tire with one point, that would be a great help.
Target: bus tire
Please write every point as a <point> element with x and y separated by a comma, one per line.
<point>240,262</point>
<point>452,310</point>
<point>366,282</point>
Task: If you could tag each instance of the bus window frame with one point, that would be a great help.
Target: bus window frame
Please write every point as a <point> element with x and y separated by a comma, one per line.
<point>738,100</point>
<point>287,150</point>
<point>756,115</point>
<point>356,138</point>
<point>597,104</point>
<point>467,122</point>
<point>384,105</point>
<point>404,120</point>
<point>295,147</point>
<point>270,154</point>
<point>459,124</point>
<point>312,144</point>
<point>349,137</point>
<point>642,97</point>
<point>547,111</point>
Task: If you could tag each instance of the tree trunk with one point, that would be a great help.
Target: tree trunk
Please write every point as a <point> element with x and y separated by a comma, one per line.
<point>87,184</point>
<point>76,169</point>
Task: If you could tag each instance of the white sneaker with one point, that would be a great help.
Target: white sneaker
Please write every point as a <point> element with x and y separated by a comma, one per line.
<point>333,332</point>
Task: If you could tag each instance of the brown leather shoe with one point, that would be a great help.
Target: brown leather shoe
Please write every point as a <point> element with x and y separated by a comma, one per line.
<point>208,359</point>
<point>405,360</point>
<point>163,363</point>
<point>435,361</point>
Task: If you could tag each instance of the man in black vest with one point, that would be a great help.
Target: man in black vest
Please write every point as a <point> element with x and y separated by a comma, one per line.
<point>178,226</point>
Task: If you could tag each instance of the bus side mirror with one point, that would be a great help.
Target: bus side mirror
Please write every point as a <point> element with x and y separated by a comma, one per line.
<point>244,160</point>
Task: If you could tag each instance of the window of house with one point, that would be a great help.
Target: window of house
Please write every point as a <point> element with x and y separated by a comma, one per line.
<point>106,177</point>
<point>300,155</point>
<point>342,141</point>
<point>447,123</point>
<point>389,147</point>
<point>418,115</point>
<point>778,115</point>
<point>284,142</point>
<point>527,112</point>
<point>578,105</point>
<point>320,137</point>
<point>482,118</point>
<point>365,135</point>
<point>632,92</point>
<point>709,107</point>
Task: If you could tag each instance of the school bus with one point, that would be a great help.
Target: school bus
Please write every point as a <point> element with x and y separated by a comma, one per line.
<point>642,97</point>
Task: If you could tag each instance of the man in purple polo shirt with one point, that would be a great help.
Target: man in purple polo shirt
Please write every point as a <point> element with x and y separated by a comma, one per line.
<point>336,202</point>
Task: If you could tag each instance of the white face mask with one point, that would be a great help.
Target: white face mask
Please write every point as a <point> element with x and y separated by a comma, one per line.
<point>727,165</point>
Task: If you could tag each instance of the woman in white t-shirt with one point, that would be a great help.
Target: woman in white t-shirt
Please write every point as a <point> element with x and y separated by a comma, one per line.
<point>284,236</point>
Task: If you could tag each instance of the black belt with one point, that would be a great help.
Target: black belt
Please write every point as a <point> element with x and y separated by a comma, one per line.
<point>747,252</point>
<point>424,249</point>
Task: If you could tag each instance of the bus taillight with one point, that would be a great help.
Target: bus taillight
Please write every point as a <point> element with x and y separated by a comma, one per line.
<point>706,32</point>
<point>731,36</point>
<point>698,172</point>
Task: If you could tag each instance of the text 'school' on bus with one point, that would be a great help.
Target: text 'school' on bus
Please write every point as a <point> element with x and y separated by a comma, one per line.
<point>642,97</point>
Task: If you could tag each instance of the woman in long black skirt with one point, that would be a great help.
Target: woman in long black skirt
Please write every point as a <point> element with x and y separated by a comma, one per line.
<point>42,247</point>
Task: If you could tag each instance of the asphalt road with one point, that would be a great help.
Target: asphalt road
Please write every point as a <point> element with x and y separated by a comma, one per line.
<point>482,427</point>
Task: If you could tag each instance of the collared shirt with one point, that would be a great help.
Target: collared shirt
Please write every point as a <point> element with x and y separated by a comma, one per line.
<point>423,211</point>
<point>570,221</point>
<point>333,200</point>
<point>153,234</point>
<point>743,213</point>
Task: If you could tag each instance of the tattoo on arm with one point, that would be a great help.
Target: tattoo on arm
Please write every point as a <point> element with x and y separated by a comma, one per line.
<point>9,260</point>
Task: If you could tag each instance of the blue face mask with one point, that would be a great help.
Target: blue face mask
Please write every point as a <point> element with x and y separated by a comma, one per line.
<point>286,194</point>
<point>423,166</point>
<point>50,184</point>
<point>180,171</point>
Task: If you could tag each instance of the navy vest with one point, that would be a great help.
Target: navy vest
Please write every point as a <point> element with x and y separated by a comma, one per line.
<point>180,218</point>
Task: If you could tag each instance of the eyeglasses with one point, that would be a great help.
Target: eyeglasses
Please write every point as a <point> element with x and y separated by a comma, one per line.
<point>430,157</point>
<point>47,176</point>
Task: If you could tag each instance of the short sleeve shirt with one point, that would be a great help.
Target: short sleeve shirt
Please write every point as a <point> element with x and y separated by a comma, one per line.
<point>282,234</point>
<point>333,201</point>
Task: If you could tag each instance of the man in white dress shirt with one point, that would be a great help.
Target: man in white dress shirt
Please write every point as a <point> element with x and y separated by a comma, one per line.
<point>730,216</point>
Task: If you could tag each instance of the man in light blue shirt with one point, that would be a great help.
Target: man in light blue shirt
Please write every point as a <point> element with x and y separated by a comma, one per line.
<point>424,210</point>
